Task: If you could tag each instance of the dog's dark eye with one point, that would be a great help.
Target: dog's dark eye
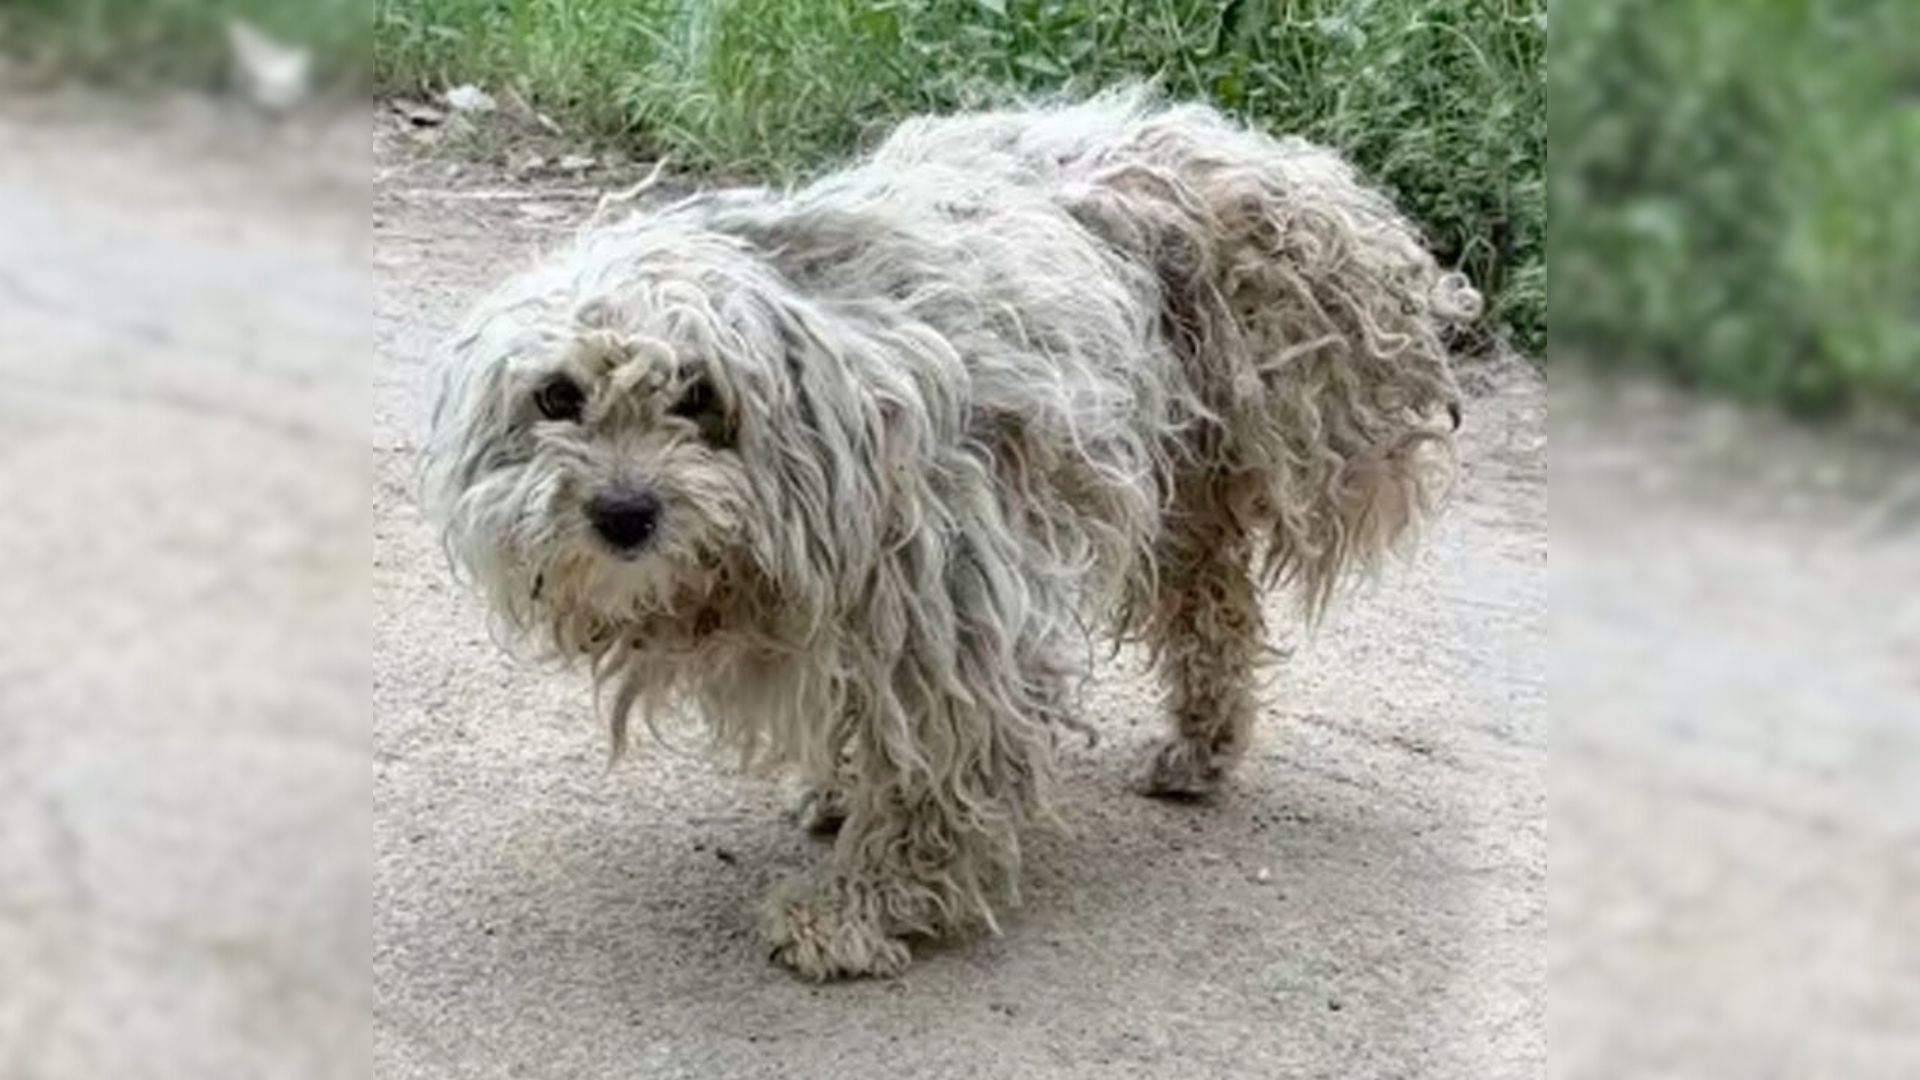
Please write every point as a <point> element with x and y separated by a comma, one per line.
<point>700,403</point>
<point>560,398</point>
<point>696,400</point>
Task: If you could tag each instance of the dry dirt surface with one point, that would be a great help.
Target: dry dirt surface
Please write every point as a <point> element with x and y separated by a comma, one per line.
<point>184,793</point>
<point>1367,902</point>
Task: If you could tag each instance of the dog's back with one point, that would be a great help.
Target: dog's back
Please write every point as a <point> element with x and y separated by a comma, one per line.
<point>1311,319</point>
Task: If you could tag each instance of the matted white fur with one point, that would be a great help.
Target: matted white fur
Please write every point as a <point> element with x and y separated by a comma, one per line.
<point>907,441</point>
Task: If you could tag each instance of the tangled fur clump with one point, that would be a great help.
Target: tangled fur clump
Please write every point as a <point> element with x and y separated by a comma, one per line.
<point>899,444</point>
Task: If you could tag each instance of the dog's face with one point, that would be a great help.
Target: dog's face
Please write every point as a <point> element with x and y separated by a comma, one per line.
<point>590,454</point>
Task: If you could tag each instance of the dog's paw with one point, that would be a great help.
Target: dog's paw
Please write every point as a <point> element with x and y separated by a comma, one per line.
<point>820,810</point>
<point>816,933</point>
<point>1181,769</point>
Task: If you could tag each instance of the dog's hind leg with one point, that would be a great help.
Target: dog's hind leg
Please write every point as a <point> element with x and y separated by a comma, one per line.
<point>1206,634</point>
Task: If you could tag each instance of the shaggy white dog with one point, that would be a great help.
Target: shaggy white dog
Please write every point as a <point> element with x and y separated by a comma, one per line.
<point>858,471</point>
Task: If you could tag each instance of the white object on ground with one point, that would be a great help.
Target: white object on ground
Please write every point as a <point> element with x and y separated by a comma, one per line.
<point>468,98</point>
<point>273,75</point>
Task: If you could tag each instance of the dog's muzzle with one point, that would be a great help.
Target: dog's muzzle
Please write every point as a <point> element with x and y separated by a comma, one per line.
<point>625,519</point>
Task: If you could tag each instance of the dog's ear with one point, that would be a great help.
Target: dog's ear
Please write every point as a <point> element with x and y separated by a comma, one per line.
<point>844,452</point>
<point>886,409</point>
<point>811,456</point>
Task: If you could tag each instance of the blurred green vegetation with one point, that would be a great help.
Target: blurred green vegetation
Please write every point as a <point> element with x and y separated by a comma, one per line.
<point>179,42</point>
<point>1442,101</point>
<point>1732,195</point>
<point>1728,181</point>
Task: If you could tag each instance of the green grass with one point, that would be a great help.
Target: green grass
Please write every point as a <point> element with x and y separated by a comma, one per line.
<point>1732,195</point>
<point>1442,101</point>
<point>178,42</point>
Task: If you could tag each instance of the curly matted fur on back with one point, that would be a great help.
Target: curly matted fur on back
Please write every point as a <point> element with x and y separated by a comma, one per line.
<point>1310,317</point>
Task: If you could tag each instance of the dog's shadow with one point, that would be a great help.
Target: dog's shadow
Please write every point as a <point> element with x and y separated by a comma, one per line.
<point>1305,914</point>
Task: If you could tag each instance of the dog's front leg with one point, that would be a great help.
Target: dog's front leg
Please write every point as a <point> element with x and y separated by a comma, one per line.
<point>919,854</point>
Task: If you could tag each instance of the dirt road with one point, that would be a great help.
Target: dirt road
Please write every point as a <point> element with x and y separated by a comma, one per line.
<point>1368,902</point>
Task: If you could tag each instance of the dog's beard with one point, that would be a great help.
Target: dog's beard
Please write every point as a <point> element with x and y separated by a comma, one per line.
<point>585,600</point>
<point>558,585</point>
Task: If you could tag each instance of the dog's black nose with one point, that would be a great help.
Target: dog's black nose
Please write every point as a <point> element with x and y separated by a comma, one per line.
<point>625,519</point>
